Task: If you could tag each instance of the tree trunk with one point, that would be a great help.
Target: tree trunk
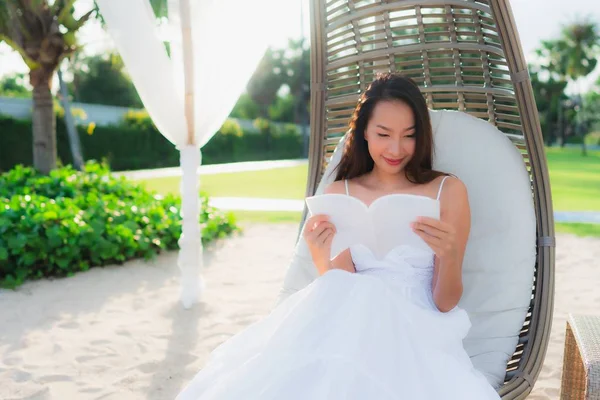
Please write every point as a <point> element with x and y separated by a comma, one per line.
<point>580,119</point>
<point>581,132</point>
<point>44,123</point>
<point>549,127</point>
<point>561,123</point>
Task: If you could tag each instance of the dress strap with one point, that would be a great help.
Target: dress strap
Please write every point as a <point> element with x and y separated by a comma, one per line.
<point>441,185</point>
<point>346,183</point>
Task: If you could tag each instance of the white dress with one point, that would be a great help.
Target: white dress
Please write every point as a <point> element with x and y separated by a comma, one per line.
<point>374,334</point>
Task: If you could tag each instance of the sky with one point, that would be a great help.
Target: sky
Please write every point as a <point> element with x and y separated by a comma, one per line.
<point>536,20</point>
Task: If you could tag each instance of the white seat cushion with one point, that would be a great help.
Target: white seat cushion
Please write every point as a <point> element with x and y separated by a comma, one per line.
<point>500,257</point>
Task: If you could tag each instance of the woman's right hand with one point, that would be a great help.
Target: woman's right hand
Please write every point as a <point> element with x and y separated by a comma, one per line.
<point>319,233</point>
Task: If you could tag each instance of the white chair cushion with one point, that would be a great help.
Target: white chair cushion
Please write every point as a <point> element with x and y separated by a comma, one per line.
<point>500,257</point>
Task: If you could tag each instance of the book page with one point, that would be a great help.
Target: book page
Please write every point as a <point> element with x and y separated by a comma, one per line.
<point>392,216</point>
<point>349,215</point>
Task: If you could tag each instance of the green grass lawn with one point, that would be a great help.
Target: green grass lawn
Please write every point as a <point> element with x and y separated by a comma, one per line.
<point>245,217</point>
<point>575,183</point>
<point>281,183</point>
<point>575,180</point>
<point>579,229</point>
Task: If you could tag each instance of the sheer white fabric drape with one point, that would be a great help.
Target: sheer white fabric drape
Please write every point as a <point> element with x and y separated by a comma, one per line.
<point>228,39</point>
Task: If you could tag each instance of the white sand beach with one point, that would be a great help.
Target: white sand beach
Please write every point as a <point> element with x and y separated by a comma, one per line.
<point>120,333</point>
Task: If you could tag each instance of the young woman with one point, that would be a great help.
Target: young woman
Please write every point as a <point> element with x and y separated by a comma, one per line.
<point>368,327</point>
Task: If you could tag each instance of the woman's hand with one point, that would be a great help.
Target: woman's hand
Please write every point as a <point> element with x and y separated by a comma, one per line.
<point>319,233</point>
<point>439,235</point>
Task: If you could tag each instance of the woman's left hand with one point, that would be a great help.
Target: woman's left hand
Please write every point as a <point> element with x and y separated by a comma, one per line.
<point>439,235</point>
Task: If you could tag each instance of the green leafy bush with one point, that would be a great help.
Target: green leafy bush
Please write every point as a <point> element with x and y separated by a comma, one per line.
<point>70,221</point>
<point>592,139</point>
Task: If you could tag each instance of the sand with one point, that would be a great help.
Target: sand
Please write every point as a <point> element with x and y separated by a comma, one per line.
<point>119,332</point>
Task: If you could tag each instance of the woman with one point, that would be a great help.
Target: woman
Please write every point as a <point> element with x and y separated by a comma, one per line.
<point>368,328</point>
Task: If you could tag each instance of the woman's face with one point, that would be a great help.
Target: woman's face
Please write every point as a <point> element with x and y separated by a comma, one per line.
<point>390,135</point>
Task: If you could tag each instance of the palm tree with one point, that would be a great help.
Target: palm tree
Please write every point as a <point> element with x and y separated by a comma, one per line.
<point>549,94</point>
<point>584,41</point>
<point>579,52</point>
<point>43,33</point>
<point>550,90</point>
<point>572,57</point>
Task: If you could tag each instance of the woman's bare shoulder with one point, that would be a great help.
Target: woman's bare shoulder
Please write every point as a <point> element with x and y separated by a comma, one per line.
<point>453,187</point>
<point>337,187</point>
<point>454,198</point>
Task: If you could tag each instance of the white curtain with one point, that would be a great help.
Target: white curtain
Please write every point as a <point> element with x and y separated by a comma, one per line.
<point>228,39</point>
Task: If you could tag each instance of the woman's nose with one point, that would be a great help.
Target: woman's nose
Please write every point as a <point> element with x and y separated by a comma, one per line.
<point>395,148</point>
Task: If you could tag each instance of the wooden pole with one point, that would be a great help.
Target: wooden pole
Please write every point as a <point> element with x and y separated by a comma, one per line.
<point>188,67</point>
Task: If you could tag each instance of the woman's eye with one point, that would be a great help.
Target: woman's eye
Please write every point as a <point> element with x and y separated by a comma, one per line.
<point>412,135</point>
<point>382,135</point>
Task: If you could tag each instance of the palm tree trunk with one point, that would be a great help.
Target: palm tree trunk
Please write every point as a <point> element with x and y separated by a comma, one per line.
<point>549,127</point>
<point>561,123</point>
<point>580,119</point>
<point>44,122</point>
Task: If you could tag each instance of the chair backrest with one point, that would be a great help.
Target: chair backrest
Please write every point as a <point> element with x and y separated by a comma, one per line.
<point>466,56</point>
<point>499,262</point>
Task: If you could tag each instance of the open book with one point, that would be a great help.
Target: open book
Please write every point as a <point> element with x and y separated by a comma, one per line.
<point>382,226</point>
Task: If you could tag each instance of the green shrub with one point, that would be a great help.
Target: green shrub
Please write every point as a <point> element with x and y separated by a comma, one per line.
<point>70,221</point>
<point>592,139</point>
<point>574,139</point>
<point>270,143</point>
<point>138,119</point>
<point>137,144</point>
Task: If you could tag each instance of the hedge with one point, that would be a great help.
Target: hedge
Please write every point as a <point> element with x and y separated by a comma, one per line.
<point>137,144</point>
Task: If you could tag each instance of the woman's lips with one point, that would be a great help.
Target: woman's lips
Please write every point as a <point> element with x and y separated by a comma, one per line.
<point>393,162</point>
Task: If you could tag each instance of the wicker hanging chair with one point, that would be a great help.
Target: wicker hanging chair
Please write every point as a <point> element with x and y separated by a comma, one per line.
<point>466,56</point>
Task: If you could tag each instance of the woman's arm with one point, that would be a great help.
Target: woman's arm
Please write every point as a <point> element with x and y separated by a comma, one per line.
<point>344,259</point>
<point>455,211</point>
<point>448,238</point>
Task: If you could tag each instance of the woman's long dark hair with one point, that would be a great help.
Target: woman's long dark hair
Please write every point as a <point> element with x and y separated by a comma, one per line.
<point>356,159</point>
